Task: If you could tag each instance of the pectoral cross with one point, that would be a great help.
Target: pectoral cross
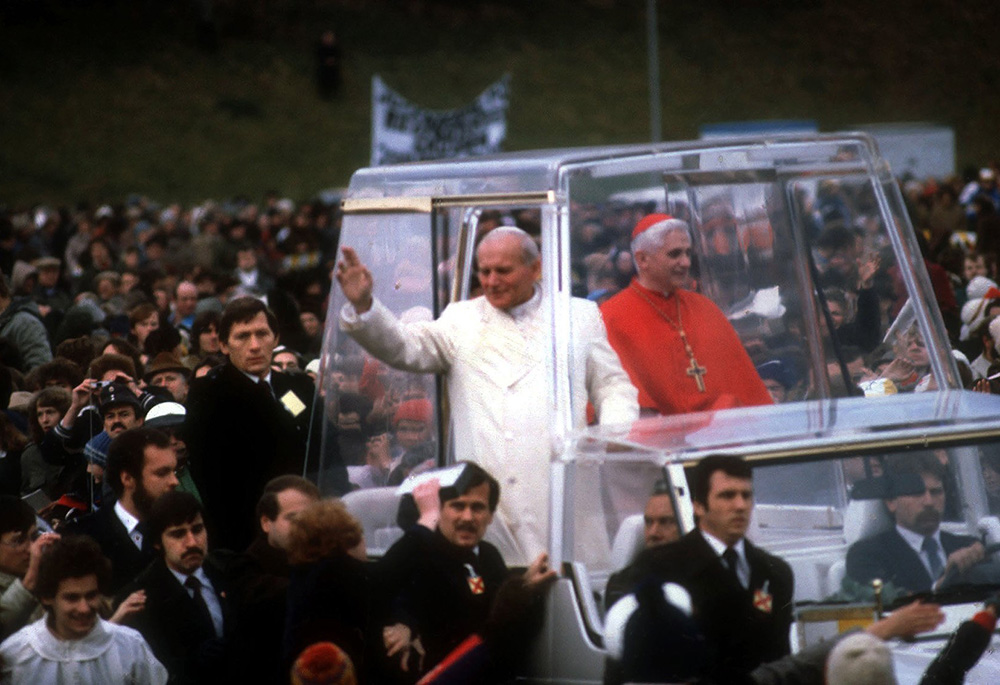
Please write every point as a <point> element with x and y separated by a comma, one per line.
<point>696,372</point>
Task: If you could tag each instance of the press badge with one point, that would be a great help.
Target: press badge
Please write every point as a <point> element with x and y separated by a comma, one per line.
<point>292,403</point>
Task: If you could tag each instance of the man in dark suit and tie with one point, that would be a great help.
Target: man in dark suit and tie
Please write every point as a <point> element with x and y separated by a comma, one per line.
<point>914,554</point>
<point>741,595</point>
<point>246,424</point>
<point>185,616</point>
<point>140,470</point>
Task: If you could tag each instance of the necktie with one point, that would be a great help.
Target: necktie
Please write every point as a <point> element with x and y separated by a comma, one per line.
<point>194,584</point>
<point>933,551</point>
<point>732,560</point>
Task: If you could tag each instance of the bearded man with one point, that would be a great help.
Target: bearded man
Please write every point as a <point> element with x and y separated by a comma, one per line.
<point>141,466</point>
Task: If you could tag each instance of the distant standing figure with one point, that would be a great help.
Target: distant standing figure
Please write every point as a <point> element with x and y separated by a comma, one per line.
<point>328,65</point>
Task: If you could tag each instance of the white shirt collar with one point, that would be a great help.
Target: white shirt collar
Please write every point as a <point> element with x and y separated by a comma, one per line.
<point>130,522</point>
<point>718,546</point>
<point>916,540</point>
<point>199,574</point>
<point>742,563</point>
<point>526,308</point>
<point>257,379</point>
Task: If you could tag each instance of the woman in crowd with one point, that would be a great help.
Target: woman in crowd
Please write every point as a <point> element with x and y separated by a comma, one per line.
<point>44,412</point>
<point>328,589</point>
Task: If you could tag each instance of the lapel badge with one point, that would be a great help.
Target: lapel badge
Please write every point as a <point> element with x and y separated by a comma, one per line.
<point>476,583</point>
<point>762,599</point>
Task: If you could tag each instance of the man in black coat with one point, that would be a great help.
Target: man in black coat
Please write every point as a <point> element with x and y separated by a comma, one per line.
<point>184,614</point>
<point>261,577</point>
<point>247,424</point>
<point>441,578</point>
<point>915,553</point>
<point>140,470</point>
<point>741,595</point>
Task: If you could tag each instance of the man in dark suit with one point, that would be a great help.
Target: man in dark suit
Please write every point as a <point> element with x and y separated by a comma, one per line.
<point>914,554</point>
<point>141,465</point>
<point>186,617</point>
<point>247,424</point>
<point>441,578</point>
<point>741,595</point>
<point>261,578</point>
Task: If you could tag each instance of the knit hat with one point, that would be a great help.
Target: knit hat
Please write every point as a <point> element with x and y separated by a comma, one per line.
<point>655,221</point>
<point>978,286</point>
<point>323,663</point>
<point>860,659</point>
<point>414,410</point>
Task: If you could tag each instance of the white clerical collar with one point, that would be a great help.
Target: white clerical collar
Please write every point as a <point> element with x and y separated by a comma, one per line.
<point>130,522</point>
<point>526,308</point>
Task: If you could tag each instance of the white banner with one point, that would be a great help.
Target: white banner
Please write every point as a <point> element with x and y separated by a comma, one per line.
<point>404,132</point>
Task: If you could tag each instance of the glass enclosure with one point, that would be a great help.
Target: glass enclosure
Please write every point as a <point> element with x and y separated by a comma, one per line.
<point>791,242</point>
<point>803,243</point>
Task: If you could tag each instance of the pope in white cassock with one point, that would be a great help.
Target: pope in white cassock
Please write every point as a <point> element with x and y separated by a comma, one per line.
<point>492,352</point>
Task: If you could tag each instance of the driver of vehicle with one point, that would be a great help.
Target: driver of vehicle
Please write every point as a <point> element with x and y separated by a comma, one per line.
<point>915,554</point>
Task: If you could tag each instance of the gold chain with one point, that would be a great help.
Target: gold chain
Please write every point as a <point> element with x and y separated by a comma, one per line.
<point>695,370</point>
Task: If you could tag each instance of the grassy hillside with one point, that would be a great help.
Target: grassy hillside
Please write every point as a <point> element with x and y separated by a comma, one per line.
<point>102,99</point>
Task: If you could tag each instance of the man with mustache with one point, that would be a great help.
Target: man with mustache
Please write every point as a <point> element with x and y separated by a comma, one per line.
<point>740,594</point>
<point>141,465</point>
<point>186,617</point>
<point>120,409</point>
<point>914,554</point>
<point>441,578</point>
<point>72,642</point>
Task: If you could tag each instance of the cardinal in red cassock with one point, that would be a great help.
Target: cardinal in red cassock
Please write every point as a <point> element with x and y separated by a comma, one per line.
<point>677,347</point>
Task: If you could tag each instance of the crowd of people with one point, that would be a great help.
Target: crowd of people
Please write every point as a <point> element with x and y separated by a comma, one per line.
<point>158,366</point>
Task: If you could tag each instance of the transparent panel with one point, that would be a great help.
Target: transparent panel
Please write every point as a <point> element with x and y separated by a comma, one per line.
<point>383,423</point>
<point>839,522</point>
<point>791,242</point>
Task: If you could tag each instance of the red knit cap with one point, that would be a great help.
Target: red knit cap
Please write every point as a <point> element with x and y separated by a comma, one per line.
<point>323,663</point>
<point>414,410</point>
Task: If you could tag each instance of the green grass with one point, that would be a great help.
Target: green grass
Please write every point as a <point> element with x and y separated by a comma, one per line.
<point>111,100</point>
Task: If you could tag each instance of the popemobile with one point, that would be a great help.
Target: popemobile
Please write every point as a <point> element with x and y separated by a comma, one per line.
<point>804,244</point>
